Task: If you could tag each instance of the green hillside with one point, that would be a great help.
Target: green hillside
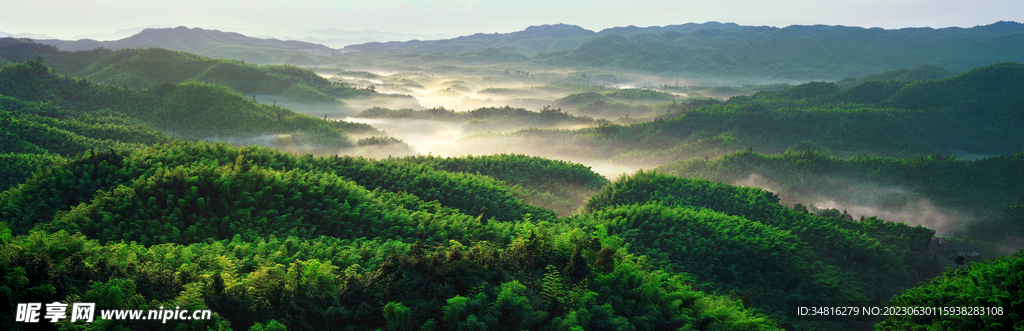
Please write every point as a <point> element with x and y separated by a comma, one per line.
<point>139,68</point>
<point>193,197</point>
<point>184,110</point>
<point>874,183</point>
<point>558,185</point>
<point>740,240</point>
<point>348,231</point>
<point>989,292</point>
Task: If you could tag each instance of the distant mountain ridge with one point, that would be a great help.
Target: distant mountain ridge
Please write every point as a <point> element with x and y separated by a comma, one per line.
<point>531,41</point>
<point>210,43</point>
<point>712,50</point>
<point>709,52</point>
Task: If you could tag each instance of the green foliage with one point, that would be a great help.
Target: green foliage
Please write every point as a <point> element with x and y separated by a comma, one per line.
<point>323,283</point>
<point>558,185</point>
<point>16,167</point>
<point>305,93</point>
<point>207,192</point>
<point>696,226</point>
<point>273,325</point>
<point>140,68</point>
<point>887,184</point>
<point>990,290</point>
<point>921,72</point>
<point>188,109</point>
<point>197,225</point>
<point>399,316</point>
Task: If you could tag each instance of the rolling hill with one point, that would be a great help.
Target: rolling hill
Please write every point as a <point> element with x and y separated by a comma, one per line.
<point>139,68</point>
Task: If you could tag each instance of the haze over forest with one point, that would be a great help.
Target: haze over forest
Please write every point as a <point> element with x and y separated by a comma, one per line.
<point>684,176</point>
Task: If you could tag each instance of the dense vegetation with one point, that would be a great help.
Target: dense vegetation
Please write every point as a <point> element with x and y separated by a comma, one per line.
<point>71,111</point>
<point>740,240</point>
<point>139,68</point>
<point>558,185</point>
<point>991,290</point>
<point>882,183</point>
<point>203,221</point>
<point>355,229</point>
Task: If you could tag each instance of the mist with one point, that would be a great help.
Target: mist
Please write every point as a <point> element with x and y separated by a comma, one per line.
<point>424,136</point>
<point>463,89</point>
<point>888,202</point>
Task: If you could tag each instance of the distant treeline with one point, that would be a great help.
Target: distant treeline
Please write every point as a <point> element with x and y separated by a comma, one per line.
<point>722,51</point>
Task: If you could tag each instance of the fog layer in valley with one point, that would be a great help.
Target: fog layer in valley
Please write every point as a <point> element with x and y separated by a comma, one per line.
<point>578,99</point>
<point>865,199</point>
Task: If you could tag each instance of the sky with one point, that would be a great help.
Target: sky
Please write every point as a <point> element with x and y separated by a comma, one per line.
<point>72,19</point>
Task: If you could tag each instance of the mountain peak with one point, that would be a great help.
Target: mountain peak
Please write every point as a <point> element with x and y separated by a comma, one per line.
<point>554,27</point>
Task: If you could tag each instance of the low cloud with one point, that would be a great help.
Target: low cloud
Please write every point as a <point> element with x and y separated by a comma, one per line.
<point>867,199</point>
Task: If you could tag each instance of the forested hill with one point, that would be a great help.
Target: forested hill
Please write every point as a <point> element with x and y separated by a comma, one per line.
<point>48,110</point>
<point>139,68</point>
<point>994,287</point>
<point>263,237</point>
<point>715,50</point>
<point>211,43</point>
<point>740,240</point>
<point>926,190</point>
<point>977,112</point>
<point>798,53</point>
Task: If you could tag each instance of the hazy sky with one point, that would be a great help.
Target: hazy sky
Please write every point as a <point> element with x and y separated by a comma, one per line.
<point>71,18</point>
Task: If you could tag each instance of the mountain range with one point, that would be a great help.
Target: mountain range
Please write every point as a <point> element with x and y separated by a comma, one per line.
<point>211,43</point>
<point>709,50</point>
<point>727,50</point>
